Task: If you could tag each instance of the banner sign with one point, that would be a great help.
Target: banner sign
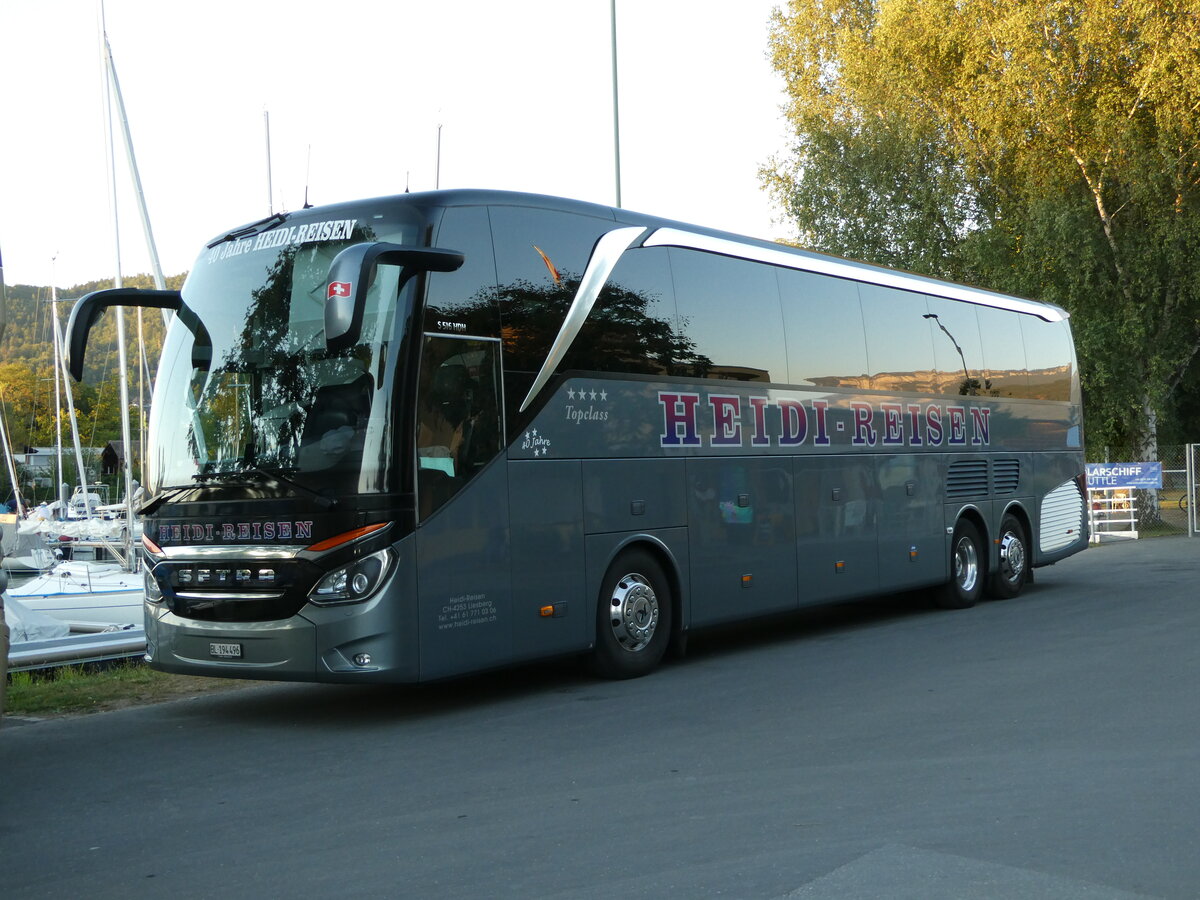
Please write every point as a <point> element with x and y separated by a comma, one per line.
<point>1101,476</point>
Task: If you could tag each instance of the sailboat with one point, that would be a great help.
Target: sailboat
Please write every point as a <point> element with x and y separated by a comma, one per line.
<point>21,553</point>
<point>84,592</point>
<point>88,591</point>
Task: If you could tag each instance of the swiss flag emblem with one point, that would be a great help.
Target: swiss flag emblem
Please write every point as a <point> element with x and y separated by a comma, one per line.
<point>338,289</point>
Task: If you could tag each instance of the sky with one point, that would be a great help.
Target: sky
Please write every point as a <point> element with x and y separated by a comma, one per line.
<point>357,92</point>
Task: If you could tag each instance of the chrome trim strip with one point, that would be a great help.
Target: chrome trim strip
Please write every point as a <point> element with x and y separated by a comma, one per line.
<point>229,552</point>
<point>676,237</point>
<point>604,259</point>
<point>215,596</point>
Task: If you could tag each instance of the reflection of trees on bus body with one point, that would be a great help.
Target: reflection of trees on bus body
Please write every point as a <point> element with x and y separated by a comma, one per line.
<point>619,335</point>
<point>254,402</point>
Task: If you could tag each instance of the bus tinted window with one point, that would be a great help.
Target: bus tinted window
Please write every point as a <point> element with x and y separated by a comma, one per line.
<point>541,256</point>
<point>957,350</point>
<point>1003,352</point>
<point>633,326</point>
<point>822,321</point>
<point>1048,356</point>
<point>463,301</point>
<point>729,312</point>
<point>899,342</point>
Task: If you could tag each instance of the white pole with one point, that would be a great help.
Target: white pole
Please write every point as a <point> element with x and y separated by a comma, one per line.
<point>270,188</point>
<point>83,479</point>
<point>159,282</point>
<point>151,247</point>
<point>114,90</point>
<point>1190,450</point>
<point>127,443</point>
<point>58,377</point>
<point>12,469</point>
<point>109,158</point>
<point>143,384</point>
<point>3,301</point>
<point>616,104</point>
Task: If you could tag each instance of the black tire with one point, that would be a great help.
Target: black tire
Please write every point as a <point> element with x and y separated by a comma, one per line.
<point>968,569</point>
<point>1012,569</point>
<point>634,615</point>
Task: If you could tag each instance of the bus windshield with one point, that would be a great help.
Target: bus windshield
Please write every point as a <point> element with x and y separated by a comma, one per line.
<point>247,384</point>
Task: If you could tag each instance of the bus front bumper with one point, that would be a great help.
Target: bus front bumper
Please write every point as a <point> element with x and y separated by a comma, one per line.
<point>356,644</point>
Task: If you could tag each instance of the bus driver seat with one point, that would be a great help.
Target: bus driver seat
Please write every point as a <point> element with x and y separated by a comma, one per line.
<point>336,422</point>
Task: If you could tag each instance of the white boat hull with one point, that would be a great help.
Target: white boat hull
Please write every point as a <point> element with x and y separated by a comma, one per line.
<point>92,593</point>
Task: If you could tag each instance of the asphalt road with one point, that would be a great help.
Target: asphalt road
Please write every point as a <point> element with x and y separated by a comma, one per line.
<point>1040,747</point>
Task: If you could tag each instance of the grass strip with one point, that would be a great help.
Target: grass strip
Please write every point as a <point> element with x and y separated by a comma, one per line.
<point>74,690</point>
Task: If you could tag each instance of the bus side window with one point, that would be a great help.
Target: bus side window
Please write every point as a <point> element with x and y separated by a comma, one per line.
<point>458,416</point>
<point>899,339</point>
<point>464,301</point>
<point>1005,366</point>
<point>1047,358</point>
<point>730,317</point>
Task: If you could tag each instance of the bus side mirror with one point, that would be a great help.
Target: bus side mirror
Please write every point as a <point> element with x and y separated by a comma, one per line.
<point>350,276</point>
<point>85,311</point>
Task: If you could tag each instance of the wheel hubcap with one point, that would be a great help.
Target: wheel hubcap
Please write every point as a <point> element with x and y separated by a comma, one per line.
<point>966,565</point>
<point>633,612</point>
<point>1012,557</point>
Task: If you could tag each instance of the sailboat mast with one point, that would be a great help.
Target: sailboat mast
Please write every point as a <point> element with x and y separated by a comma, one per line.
<point>3,300</point>
<point>59,377</point>
<point>8,458</point>
<point>113,91</point>
<point>12,469</point>
<point>159,281</point>
<point>83,481</point>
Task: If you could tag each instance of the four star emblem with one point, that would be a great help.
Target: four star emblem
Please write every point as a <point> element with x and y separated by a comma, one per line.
<point>541,445</point>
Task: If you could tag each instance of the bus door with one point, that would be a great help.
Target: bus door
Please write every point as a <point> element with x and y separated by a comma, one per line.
<point>462,538</point>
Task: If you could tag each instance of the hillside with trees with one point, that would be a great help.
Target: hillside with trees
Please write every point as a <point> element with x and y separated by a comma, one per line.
<point>27,393</point>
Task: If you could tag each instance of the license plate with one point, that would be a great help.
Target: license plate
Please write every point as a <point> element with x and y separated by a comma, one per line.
<point>225,651</point>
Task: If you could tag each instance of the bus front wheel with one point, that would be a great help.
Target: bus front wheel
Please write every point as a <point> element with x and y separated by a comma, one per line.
<point>968,567</point>
<point>633,617</point>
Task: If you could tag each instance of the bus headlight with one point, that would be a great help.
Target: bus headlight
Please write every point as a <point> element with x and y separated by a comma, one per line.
<point>153,591</point>
<point>354,582</point>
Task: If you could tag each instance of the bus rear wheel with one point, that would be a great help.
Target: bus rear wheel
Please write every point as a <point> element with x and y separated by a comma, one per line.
<point>633,617</point>
<point>1013,569</point>
<point>968,567</point>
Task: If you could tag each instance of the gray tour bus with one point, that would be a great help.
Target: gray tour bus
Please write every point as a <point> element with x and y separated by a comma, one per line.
<point>413,437</point>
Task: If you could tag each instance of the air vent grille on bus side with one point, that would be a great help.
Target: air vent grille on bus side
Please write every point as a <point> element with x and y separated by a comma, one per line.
<point>1062,518</point>
<point>1006,475</point>
<point>967,478</point>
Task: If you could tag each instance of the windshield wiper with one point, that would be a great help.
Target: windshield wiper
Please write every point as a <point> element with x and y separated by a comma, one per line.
<point>236,478</point>
<point>253,228</point>
<point>162,497</point>
<point>278,476</point>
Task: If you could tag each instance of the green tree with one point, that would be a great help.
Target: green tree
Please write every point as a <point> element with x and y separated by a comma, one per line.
<point>17,392</point>
<point>1048,148</point>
